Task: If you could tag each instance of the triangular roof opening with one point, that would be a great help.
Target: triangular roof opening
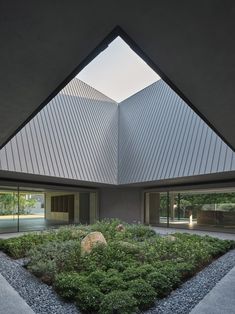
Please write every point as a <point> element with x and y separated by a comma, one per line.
<point>118,72</point>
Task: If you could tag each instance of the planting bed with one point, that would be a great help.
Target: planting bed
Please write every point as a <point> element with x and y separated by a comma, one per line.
<point>133,271</point>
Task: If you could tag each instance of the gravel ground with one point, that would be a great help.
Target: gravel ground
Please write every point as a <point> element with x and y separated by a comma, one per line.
<point>185,298</point>
<point>43,300</point>
<point>40,297</point>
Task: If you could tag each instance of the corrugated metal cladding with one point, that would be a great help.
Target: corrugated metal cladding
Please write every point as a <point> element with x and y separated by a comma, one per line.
<point>75,136</point>
<point>161,137</point>
<point>84,135</point>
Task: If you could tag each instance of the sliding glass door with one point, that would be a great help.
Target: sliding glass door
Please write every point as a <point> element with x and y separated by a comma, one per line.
<point>9,219</point>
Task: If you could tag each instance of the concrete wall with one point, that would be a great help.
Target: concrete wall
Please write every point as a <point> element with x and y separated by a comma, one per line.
<point>152,208</point>
<point>122,203</point>
<point>93,207</point>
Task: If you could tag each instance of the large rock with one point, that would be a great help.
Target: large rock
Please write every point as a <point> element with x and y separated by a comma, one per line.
<point>91,240</point>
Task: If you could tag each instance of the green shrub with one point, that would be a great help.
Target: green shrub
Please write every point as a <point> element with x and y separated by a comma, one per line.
<point>2,243</point>
<point>126,275</point>
<point>160,282</point>
<point>112,282</point>
<point>170,271</point>
<point>143,292</point>
<point>96,277</point>
<point>139,232</point>
<point>19,246</point>
<point>119,302</point>
<point>131,273</point>
<point>114,256</point>
<point>89,298</point>
<point>48,259</point>
<point>107,281</point>
<point>142,271</point>
<point>107,227</point>
<point>185,269</point>
<point>71,232</point>
<point>68,285</point>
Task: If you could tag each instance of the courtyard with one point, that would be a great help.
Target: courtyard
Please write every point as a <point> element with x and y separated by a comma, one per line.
<point>117,157</point>
<point>166,269</point>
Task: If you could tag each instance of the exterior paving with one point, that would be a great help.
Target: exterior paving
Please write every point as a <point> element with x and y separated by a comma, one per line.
<point>161,230</point>
<point>221,299</point>
<point>220,235</point>
<point>10,300</point>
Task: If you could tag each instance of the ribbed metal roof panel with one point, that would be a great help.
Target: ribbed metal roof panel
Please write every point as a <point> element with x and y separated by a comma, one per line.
<point>75,136</point>
<point>161,137</point>
<point>84,135</point>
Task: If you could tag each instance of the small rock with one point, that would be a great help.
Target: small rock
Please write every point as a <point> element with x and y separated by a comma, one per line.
<point>120,228</point>
<point>170,237</point>
<point>91,240</point>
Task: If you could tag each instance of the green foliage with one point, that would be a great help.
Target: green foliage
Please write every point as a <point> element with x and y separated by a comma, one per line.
<point>89,299</point>
<point>112,282</point>
<point>119,302</point>
<point>107,227</point>
<point>18,247</point>
<point>9,204</point>
<point>126,276</point>
<point>54,257</point>
<point>138,232</point>
<point>68,285</point>
<point>161,283</point>
<point>223,201</point>
<point>143,292</point>
<point>2,244</point>
<point>142,271</point>
<point>115,255</point>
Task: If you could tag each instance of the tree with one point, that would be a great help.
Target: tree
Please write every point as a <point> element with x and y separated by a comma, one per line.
<point>9,204</point>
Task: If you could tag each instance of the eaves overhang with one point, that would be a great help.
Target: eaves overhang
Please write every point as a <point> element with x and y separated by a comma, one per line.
<point>190,44</point>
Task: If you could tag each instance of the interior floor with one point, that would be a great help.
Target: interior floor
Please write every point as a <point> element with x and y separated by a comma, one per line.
<point>28,224</point>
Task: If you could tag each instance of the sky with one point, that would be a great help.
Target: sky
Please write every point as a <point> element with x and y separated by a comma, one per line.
<point>118,72</point>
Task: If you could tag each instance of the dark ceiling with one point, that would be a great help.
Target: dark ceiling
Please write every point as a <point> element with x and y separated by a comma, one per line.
<point>45,43</point>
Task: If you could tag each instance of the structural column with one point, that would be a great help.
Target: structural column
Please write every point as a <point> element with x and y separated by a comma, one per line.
<point>152,208</point>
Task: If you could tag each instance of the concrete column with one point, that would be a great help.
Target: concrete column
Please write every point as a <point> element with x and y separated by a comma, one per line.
<point>76,208</point>
<point>172,209</point>
<point>146,208</point>
<point>154,208</point>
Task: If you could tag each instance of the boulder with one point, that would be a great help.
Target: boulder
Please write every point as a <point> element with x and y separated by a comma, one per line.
<point>92,239</point>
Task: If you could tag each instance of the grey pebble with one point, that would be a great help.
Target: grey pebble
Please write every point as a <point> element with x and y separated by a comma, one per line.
<point>43,300</point>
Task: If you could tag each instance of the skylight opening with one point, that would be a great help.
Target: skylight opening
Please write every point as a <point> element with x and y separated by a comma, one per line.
<point>118,72</point>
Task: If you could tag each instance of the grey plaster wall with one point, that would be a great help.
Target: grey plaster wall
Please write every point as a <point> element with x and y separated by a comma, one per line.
<point>122,203</point>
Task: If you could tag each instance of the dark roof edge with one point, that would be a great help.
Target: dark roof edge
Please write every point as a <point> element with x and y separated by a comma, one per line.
<point>118,31</point>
